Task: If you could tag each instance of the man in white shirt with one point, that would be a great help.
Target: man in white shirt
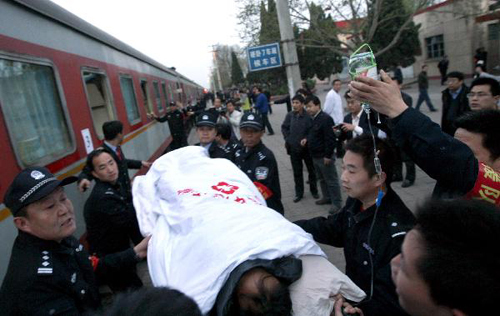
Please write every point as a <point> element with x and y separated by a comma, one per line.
<point>234,118</point>
<point>333,103</point>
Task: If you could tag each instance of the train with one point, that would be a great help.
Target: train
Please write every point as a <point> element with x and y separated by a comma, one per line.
<point>60,79</point>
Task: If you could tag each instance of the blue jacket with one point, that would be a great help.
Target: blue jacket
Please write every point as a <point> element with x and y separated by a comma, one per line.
<point>262,104</point>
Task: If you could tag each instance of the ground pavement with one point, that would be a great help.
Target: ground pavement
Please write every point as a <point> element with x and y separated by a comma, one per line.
<point>306,208</point>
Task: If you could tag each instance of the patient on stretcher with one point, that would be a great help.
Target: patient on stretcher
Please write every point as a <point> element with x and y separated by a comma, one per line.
<point>214,239</point>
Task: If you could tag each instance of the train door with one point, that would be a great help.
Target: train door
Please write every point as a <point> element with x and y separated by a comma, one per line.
<point>99,98</point>
<point>146,97</point>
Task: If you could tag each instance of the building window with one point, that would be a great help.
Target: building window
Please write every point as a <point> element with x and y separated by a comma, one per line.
<point>157,95</point>
<point>128,93</point>
<point>36,120</point>
<point>98,99</point>
<point>435,46</point>
<point>494,31</point>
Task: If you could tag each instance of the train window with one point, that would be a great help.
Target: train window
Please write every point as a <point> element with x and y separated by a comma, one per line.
<point>98,99</point>
<point>146,96</point>
<point>164,93</point>
<point>128,93</point>
<point>158,97</point>
<point>171,91</point>
<point>34,114</point>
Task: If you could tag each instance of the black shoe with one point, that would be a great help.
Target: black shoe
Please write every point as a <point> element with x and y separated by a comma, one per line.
<point>323,202</point>
<point>315,195</point>
<point>407,183</point>
<point>434,110</point>
<point>296,199</point>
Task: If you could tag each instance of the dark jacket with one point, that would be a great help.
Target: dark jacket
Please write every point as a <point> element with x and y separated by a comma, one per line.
<point>287,269</point>
<point>262,103</point>
<point>260,165</point>
<point>50,278</point>
<point>452,109</point>
<point>349,229</point>
<point>442,157</point>
<point>110,220</point>
<point>363,123</point>
<point>296,127</point>
<point>123,165</point>
<point>321,139</point>
<point>175,121</point>
<point>423,80</point>
<point>216,151</point>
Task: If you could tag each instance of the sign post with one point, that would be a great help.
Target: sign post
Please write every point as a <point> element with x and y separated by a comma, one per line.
<point>264,57</point>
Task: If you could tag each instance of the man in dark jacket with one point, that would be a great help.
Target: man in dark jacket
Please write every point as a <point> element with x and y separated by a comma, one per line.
<point>321,143</point>
<point>465,166</point>
<point>295,128</point>
<point>175,119</point>
<point>113,138</point>
<point>423,86</point>
<point>111,220</point>
<point>370,227</point>
<point>261,104</point>
<point>50,273</point>
<point>258,162</point>
<point>443,68</point>
<point>455,102</point>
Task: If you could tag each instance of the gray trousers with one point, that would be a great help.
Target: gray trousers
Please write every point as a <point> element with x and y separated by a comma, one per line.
<point>328,181</point>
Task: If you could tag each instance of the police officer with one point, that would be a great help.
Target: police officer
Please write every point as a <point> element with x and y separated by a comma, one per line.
<point>258,162</point>
<point>111,220</point>
<point>49,272</point>
<point>113,138</point>
<point>175,119</point>
<point>207,132</point>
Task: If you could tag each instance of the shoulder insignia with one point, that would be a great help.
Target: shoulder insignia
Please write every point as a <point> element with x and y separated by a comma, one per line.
<point>79,248</point>
<point>45,264</point>
<point>261,156</point>
<point>261,173</point>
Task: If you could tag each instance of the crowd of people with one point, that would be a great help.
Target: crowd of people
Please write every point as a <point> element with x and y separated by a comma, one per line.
<point>442,260</point>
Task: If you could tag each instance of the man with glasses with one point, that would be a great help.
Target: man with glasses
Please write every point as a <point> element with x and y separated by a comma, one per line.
<point>484,94</point>
<point>455,101</point>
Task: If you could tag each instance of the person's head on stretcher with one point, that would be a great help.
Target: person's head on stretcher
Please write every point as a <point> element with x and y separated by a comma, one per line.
<point>260,293</point>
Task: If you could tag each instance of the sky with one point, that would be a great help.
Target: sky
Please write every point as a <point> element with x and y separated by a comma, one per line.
<point>176,33</point>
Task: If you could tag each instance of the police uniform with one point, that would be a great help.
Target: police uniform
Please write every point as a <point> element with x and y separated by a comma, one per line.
<point>260,165</point>
<point>175,121</point>
<point>111,224</point>
<point>45,277</point>
<point>349,228</point>
<point>123,165</point>
<point>209,119</point>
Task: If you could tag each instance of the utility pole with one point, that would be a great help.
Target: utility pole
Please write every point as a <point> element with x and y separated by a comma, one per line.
<point>214,52</point>
<point>289,48</point>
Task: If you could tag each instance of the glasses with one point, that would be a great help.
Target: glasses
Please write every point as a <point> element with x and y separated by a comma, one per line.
<point>479,95</point>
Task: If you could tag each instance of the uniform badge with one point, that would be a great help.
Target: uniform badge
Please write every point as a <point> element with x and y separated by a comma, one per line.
<point>204,117</point>
<point>251,117</point>
<point>261,173</point>
<point>37,175</point>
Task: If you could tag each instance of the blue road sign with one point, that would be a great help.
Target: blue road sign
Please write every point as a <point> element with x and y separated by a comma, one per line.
<point>264,57</point>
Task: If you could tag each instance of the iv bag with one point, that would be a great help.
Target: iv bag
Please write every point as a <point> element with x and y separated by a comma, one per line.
<point>363,63</point>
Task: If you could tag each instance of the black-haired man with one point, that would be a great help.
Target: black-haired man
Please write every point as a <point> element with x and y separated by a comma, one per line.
<point>371,225</point>
<point>175,119</point>
<point>484,94</point>
<point>110,220</point>
<point>295,128</point>
<point>423,86</point>
<point>455,101</point>
<point>225,141</point>
<point>207,133</point>
<point>449,262</point>
<point>113,138</point>
<point>467,166</point>
<point>262,107</point>
<point>321,143</point>
<point>50,273</point>
<point>258,162</point>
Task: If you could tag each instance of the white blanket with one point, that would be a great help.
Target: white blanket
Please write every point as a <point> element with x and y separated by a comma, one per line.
<point>206,217</point>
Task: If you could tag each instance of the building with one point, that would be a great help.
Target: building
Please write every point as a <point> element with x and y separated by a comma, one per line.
<point>457,28</point>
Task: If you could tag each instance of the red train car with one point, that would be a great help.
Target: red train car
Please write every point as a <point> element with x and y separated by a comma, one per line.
<point>60,79</point>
